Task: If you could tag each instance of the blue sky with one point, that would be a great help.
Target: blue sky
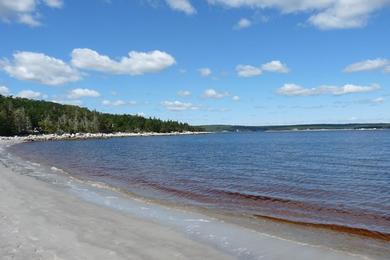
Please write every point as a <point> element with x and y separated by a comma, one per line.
<point>253,62</point>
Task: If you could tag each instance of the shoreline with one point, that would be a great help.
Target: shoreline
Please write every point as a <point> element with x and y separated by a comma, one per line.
<point>82,136</point>
<point>275,241</point>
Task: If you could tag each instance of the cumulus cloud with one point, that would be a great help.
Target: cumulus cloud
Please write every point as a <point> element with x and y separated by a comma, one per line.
<point>205,72</point>
<point>178,106</point>
<point>275,66</point>
<point>182,6</point>
<point>184,93</point>
<point>4,91</point>
<point>40,68</point>
<point>29,94</point>
<point>252,71</point>
<point>379,100</point>
<point>236,98</point>
<point>82,92</point>
<point>25,11</point>
<point>325,14</point>
<point>297,90</point>
<point>242,23</point>
<point>368,65</point>
<point>247,71</point>
<point>212,93</point>
<point>343,14</point>
<point>136,63</point>
<point>119,102</point>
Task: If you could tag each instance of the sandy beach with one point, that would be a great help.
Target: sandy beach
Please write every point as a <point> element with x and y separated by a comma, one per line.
<point>39,222</point>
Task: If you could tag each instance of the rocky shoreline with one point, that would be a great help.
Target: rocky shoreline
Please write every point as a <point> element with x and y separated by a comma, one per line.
<point>78,136</point>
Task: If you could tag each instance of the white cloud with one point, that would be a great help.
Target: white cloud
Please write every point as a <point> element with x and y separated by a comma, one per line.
<point>236,98</point>
<point>113,103</point>
<point>24,11</point>
<point>379,100</point>
<point>40,68</point>
<point>343,14</point>
<point>119,102</point>
<point>136,63</point>
<point>184,93</point>
<point>368,65</point>
<point>4,91</point>
<point>242,23</point>
<point>29,20</point>
<point>178,106</point>
<point>82,92</point>
<point>205,72</point>
<point>297,90</point>
<point>387,69</point>
<point>73,102</point>
<point>252,71</point>
<point>275,66</point>
<point>29,94</point>
<point>212,93</point>
<point>248,71</point>
<point>181,5</point>
<point>54,3</point>
<point>324,14</point>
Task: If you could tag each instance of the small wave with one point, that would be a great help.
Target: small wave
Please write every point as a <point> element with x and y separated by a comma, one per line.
<point>197,220</point>
<point>55,169</point>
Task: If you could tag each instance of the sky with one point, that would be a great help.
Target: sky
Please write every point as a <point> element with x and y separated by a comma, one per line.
<point>250,62</point>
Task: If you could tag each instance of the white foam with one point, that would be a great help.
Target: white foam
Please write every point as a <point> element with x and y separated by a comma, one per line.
<point>197,220</point>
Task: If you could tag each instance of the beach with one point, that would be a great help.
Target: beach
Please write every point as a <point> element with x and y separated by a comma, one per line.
<point>39,222</point>
<point>42,218</point>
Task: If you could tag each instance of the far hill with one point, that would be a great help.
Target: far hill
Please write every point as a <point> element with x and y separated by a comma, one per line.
<point>241,128</point>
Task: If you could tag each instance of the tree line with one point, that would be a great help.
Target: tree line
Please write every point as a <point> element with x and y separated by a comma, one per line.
<point>21,116</point>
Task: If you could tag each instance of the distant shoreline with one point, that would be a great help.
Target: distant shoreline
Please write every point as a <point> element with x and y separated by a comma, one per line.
<point>303,127</point>
<point>328,129</point>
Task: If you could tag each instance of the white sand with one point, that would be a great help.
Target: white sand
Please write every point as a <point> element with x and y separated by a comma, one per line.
<point>39,222</point>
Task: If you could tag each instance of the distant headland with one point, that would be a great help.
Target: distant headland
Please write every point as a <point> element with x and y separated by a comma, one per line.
<point>303,127</point>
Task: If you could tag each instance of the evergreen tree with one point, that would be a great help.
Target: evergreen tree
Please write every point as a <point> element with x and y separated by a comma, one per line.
<point>23,116</point>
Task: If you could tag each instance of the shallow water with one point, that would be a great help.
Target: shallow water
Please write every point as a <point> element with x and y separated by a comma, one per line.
<point>337,178</point>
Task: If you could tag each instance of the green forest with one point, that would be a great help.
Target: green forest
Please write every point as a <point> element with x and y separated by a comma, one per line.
<point>21,116</point>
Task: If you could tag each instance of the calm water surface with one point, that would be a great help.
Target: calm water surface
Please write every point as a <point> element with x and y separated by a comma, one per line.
<point>338,178</point>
